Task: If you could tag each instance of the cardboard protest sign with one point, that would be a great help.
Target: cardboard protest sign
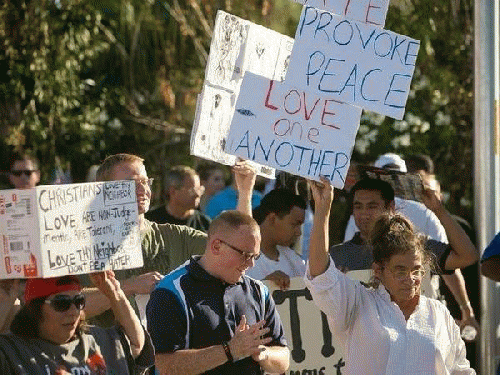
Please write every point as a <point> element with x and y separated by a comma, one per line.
<point>292,129</point>
<point>225,61</point>
<point>405,185</point>
<point>237,46</point>
<point>367,11</point>
<point>267,53</point>
<point>353,62</point>
<point>313,348</point>
<point>214,110</point>
<point>58,230</point>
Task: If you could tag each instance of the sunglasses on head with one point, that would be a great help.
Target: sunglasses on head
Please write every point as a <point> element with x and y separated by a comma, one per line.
<point>63,302</point>
<point>26,172</point>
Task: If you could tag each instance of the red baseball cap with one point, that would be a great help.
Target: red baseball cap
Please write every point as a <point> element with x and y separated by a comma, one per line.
<point>36,288</point>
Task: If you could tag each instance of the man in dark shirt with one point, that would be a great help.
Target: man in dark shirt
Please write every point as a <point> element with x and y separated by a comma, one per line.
<point>209,317</point>
<point>183,191</point>
<point>372,198</point>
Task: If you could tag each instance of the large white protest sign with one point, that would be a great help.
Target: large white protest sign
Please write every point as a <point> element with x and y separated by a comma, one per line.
<point>353,62</point>
<point>267,52</point>
<point>214,112</point>
<point>313,348</point>
<point>237,46</point>
<point>69,229</point>
<point>292,129</point>
<point>368,11</point>
<point>225,61</point>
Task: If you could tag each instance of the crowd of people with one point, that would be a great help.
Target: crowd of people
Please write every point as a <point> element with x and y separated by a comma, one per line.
<point>199,306</point>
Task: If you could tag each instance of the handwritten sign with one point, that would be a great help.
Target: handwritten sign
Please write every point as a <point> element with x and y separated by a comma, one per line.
<point>215,109</point>
<point>353,62</point>
<point>406,185</point>
<point>313,348</point>
<point>238,46</point>
<point>294,130</point>
<point>58,230</point>
<point>368,11</point>
<point>225,61</point>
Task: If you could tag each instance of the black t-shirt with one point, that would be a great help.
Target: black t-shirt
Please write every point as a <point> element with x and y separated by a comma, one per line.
<point>198,220</point>
<point>100,351</point>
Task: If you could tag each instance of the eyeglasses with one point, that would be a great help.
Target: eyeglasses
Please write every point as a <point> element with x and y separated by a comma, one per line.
<point>63,302</point>
<point>246,256</point>
<point>144,181</point>
<point>26,172</point>
<point>402,275</point>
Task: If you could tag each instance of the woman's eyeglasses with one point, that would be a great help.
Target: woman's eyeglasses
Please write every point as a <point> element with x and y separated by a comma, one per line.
<point>401,275</point>
<point>63,302</point>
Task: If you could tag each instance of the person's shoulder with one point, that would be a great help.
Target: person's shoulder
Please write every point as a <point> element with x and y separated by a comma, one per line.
<point>168,228</point>
<point>202,216</point>
<point>290,253</point>
<point>156,214</point>
<point>171,281</point>
<point>12,338</point>
<point>256,285</point>
<point>411,206</point>
<point>223,194</point>
<point>431,244</point>
<point>417,212</point>
<point>350,245</point>
<point>220,201</point>
<point>493,249</point>
<point>257,194</point>
<point>285,250</point>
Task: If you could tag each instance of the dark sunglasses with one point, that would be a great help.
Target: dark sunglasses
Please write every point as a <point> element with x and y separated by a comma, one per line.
<point>26,172</point>
<point>63,302</point>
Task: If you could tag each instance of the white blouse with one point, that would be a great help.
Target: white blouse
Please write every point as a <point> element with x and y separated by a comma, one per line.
<point>376,337</point>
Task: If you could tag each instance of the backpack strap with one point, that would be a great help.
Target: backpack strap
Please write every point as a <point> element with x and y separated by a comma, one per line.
<point>132,368</point>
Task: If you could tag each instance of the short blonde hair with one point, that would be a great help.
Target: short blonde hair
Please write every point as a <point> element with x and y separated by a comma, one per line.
<point>106,168</point>
<point>230,221</point>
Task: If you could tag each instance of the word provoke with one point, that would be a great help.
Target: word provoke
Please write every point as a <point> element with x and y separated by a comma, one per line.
<point>352,62</point>
<point>338,32</point>
<point>294,157</point>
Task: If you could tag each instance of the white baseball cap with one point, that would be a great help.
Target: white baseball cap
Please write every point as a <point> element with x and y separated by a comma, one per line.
<point>391,161</point>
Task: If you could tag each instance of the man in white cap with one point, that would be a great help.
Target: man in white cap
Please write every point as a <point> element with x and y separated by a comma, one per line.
<point>391,161</point>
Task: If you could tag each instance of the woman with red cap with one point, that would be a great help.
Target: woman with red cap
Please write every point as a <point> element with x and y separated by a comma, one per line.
<point>49,336</point>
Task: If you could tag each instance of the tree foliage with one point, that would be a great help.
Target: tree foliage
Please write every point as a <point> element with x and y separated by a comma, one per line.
<point>83,79</point>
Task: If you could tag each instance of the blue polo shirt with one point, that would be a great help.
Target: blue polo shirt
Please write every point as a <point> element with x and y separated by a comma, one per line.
<point>190,309</point>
